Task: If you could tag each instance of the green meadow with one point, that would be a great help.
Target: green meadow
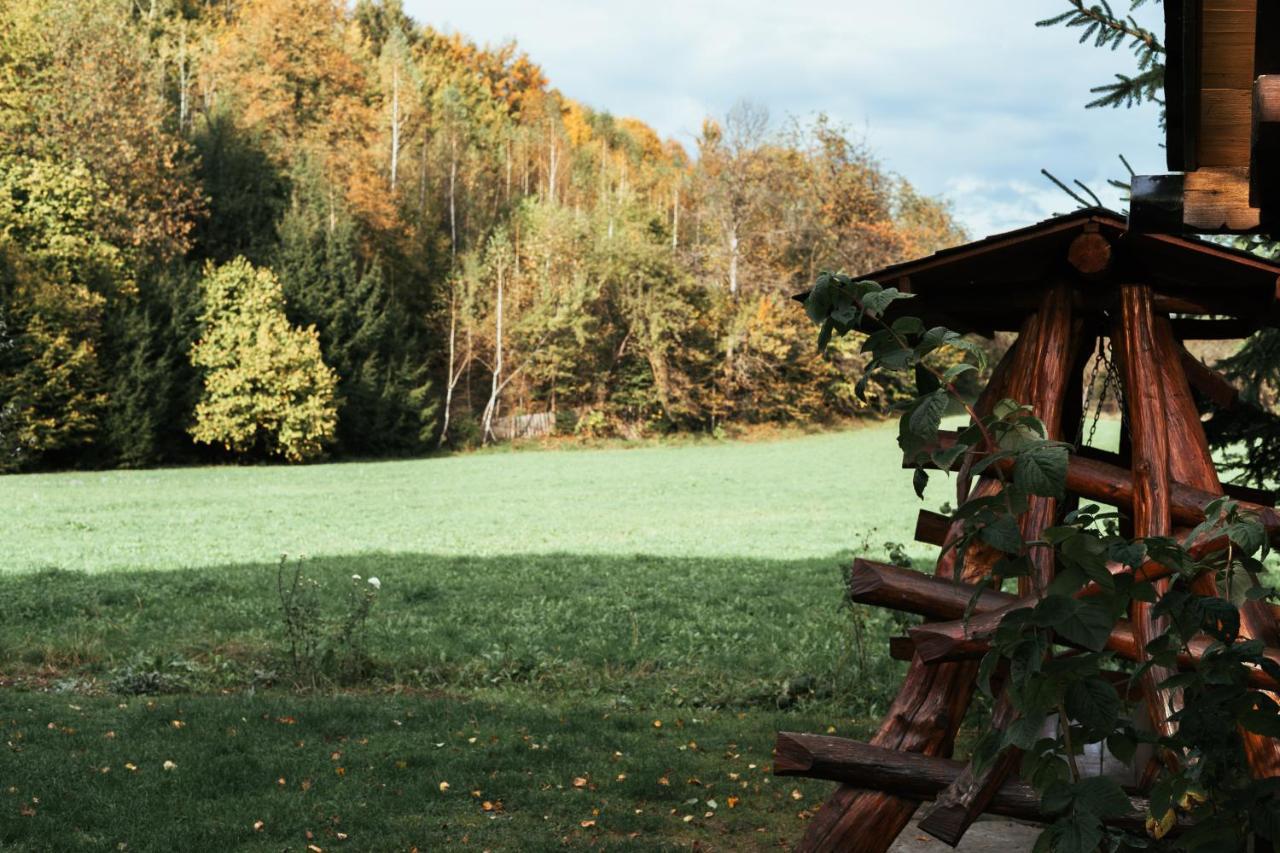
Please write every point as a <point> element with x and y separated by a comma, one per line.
<point>581,648</point>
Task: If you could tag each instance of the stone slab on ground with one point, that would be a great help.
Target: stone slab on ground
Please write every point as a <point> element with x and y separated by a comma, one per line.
<point>985,836</point>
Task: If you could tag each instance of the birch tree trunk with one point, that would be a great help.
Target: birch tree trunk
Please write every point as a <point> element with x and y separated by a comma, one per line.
<point>395,125</point>
<point>495,385</point>
<point>453,375</point>
<point>453,183</point>
<point>733,260</point>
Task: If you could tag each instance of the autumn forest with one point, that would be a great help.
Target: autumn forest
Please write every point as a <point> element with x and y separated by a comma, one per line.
<point>288,229</point>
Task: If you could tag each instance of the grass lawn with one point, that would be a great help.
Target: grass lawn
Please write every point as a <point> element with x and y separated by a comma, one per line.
<point>539,613</point>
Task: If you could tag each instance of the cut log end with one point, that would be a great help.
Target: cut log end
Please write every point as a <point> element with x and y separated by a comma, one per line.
<point>790,756</point>
<point>1090,254</point>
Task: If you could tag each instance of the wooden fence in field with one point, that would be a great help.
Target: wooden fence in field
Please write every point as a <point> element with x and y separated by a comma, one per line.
<point>533,425</point>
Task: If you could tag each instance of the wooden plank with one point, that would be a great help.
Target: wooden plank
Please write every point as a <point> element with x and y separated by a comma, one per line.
<point>1216,200</point>
<point>1227,44</point>
<point>1226,119</point>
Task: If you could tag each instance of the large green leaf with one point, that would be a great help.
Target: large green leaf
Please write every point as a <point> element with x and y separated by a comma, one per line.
<point>1042,470</point>
<point>926,417</point>
<point>1094,703</point>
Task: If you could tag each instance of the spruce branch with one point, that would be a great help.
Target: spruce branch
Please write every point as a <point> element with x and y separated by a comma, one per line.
<point>1106,29</point>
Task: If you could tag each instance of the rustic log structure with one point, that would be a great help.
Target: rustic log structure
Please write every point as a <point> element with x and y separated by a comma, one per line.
<point>1064,285</point>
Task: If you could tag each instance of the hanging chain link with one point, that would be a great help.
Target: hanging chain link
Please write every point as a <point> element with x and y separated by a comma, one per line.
<point>1111,378</point>
<point>1088,393</point>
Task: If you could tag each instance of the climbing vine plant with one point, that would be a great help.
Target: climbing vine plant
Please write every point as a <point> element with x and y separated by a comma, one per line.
<point>1204,797</point>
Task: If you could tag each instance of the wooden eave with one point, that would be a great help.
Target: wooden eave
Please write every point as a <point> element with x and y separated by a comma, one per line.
<point>1000,277</point>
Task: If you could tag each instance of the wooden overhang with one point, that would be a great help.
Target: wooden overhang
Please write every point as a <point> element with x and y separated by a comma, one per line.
<point>992,284</point>
<point>1222,122</point>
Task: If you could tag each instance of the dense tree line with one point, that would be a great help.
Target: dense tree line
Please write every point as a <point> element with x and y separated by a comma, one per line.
<point>263,228</point>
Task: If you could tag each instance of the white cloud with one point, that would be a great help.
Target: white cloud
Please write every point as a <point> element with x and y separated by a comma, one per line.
<point>946,92</point>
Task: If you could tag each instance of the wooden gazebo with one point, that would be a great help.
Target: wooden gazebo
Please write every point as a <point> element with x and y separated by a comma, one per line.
<point>1069,286</point>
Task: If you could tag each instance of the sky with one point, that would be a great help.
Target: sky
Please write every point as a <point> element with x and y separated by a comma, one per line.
<point>967,100</point>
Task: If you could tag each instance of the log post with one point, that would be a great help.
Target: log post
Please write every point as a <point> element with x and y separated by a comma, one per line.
<point>1191,462</point>
<point>1060,342</point>
<point>1134,339</point>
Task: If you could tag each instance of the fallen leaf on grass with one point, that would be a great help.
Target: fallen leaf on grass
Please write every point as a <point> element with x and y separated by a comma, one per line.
<point>257,826</point>
<point>131,767</point>
<point>733,802</point>
<point>579,781</point>
<point>796,795</point>
<point>622,777</point>
<point>178,724</point>
<point>587,824</point>
<point>664,781</point>
<point>657,724</point>
<point>444,786</point>
<point>26,810</point>
<point>169,765</point>
<point>688,818</point>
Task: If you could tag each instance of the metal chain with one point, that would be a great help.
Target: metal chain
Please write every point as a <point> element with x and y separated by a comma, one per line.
<point>1105,357</point>
<point>1088,394</point>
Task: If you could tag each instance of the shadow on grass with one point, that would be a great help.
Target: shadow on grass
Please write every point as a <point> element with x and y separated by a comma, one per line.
<point>622,632</point>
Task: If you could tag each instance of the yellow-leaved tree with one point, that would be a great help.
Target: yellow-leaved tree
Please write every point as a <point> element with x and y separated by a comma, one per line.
<point>266,388</point>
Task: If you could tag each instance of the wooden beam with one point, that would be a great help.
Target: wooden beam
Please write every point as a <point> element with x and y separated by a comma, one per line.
<point>909,775</point>
<point>958,640</point>
<point>1211,384</point>
<point>902,648</point>
<point>1216,200</point>
<point>1148,426</point>
<point>1091,477</point>
<point>1200,329</point>
<point>959,804</point>
<point>1264,145</point>
<point>932,527</point>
